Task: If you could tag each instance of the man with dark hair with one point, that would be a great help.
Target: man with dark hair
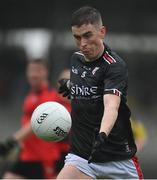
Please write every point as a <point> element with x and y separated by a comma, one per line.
<point>102,143</point>
<point>86,15</point>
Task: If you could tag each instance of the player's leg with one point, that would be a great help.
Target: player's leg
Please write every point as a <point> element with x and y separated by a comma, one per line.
<point>48,168</point>
<point>76,167</point>
<point>125,169</point>
<point>71,172</point>
<point>11,171</point>
<point>10,175</point>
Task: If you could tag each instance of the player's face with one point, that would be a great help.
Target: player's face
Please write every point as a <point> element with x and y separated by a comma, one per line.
<point>89,39</point>
<point>36,74</point>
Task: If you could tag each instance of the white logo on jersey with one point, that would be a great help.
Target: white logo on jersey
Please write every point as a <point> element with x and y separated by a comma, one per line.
<point>83,90</point>
<point>83,74</point>
<point>87,68</point>
<point>127,147</point>
<point>95,69</point>
<point>74,70</point>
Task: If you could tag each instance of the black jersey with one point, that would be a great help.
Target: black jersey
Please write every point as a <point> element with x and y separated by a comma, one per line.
<point>89,82</point>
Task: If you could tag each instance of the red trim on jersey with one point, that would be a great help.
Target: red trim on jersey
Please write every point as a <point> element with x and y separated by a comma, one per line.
<point>138,168</point>
<point>116,92</point>
<point>109,59</point>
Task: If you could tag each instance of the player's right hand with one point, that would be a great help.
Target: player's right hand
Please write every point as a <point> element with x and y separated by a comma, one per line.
<point>99,140</point>
<point>7,146</point>
<point>64,87</point>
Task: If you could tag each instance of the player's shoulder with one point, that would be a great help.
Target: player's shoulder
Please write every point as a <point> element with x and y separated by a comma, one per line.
<point>111,58</point>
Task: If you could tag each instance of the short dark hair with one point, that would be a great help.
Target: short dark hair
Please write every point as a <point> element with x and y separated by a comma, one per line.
<point>86,15</point>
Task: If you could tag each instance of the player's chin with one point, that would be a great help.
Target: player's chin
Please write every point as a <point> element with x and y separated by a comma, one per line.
<point>88,55</point>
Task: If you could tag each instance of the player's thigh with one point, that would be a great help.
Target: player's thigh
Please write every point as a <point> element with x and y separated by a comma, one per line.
<point>71,172</point>
<point>10,175</point>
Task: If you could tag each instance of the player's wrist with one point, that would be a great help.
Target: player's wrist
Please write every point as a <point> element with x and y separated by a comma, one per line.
<point>64,87</point>
<point>68,83</point>
<point>100,139</point>
<point>103,135</point>
<point>64,84</point>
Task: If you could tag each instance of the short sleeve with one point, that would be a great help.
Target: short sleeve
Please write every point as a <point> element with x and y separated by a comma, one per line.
<point>116,79</point>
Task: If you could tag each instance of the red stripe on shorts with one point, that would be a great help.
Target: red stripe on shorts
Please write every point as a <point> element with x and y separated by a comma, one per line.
<point>138,168</point>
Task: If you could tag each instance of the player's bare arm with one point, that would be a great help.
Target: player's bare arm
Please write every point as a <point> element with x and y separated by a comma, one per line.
<point>111,106</point>
<point>23,133</point>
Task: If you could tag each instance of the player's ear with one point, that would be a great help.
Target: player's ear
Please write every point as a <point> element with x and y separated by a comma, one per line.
<point>102,32</point>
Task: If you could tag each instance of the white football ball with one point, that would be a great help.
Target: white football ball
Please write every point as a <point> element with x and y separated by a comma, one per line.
<point>51,121</point>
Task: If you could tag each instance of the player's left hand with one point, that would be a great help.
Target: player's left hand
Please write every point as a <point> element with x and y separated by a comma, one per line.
<point>99,140</point>
<point>64,87</point>
<point>7,146</point>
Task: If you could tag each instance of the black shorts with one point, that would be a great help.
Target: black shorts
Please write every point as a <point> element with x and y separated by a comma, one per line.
<point>36,169</point>
<point>27,169</point>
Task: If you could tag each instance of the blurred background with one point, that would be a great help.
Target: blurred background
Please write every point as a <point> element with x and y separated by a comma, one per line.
<point>41,28</point>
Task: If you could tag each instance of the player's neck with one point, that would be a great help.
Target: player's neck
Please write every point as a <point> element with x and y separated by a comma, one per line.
<point>100,52</point>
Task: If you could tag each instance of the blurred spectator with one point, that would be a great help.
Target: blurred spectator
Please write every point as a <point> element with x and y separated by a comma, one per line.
<point>138,127</point>
<point>37,158</point>
<point>140,133</point>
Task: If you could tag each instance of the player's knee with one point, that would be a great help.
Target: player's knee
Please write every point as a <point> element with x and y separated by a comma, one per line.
<point>10,175</point>
<point>71,172</point>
